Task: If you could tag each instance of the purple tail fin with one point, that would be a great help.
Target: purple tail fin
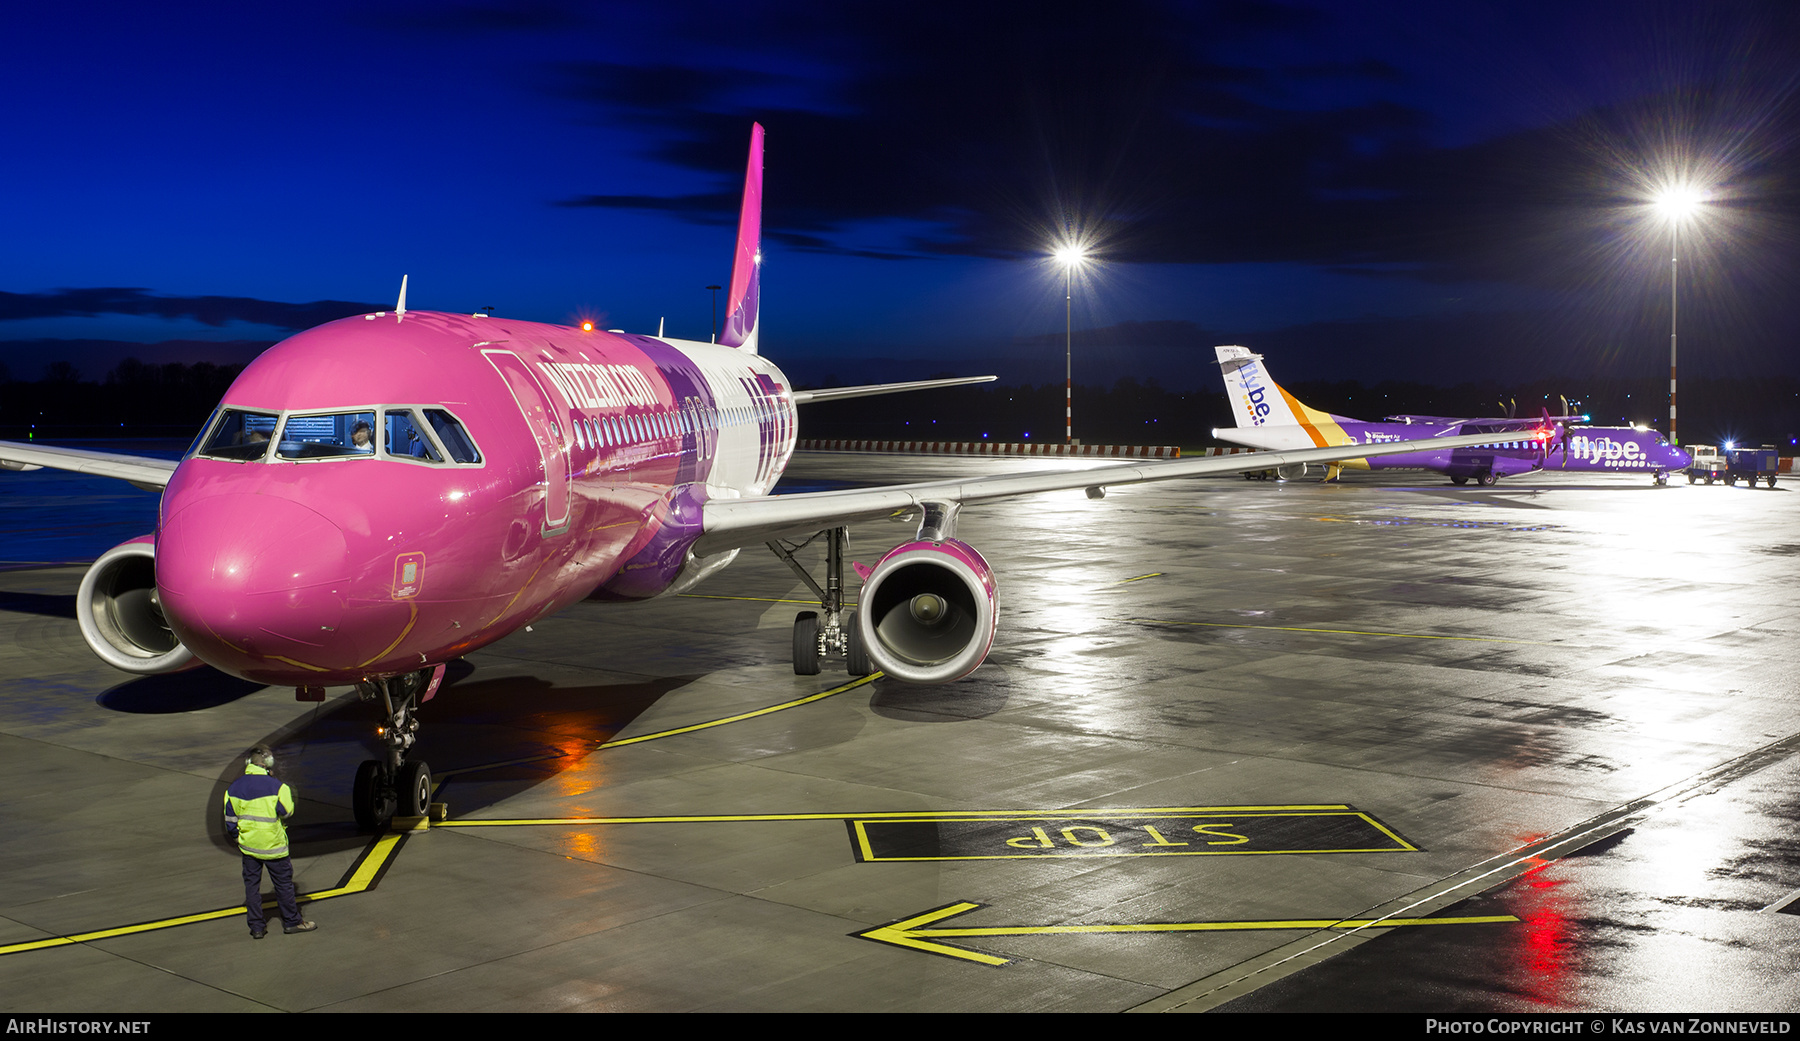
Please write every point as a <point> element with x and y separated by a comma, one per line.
<point>744,303</point>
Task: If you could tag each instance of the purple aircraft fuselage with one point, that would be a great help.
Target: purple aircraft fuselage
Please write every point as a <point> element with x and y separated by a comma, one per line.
<point>1270,418</point>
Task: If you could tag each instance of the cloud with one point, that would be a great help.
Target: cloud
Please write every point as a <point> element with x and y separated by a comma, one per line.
<point>1154,129</point>
<point>208,310</point>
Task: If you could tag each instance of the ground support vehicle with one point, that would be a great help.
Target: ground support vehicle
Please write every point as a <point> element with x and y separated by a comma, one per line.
<point>1748,464</point>
<point>1708,464</point>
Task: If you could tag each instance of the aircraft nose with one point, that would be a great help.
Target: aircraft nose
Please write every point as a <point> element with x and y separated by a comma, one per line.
<point>243,575</point>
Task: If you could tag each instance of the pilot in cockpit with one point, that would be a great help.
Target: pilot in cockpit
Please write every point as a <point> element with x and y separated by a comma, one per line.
<point>362,438</point>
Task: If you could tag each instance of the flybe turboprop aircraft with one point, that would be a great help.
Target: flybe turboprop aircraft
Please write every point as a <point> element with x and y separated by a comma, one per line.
<point>383,494</point>
<point>1268,417</point>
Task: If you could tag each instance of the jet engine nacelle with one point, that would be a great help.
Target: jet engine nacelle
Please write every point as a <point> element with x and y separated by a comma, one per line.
<point>1293,471</point>
<point>927,612</point>
<point>119,614</point>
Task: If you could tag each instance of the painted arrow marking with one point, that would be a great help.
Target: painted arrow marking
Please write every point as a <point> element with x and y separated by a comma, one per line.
<point>920,934</point>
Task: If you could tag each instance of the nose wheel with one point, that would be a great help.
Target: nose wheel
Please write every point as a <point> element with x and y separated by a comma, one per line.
<point>415,789</point>
<point>379,799</point>
<point>373,796</point>
<point>394,786</point>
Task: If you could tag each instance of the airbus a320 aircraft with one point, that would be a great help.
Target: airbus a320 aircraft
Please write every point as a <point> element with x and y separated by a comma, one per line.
<point>383,494</point>
<point>1269,417</point>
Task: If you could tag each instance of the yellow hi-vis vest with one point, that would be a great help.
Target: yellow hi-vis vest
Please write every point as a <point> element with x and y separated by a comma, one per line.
<point>255,806</point>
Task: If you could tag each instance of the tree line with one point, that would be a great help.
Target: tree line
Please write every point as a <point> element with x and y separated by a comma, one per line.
<point>139,399</point>
<point>134,399</point>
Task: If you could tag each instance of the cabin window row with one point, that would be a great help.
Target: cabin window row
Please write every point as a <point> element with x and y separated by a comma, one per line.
<point>609,431</point>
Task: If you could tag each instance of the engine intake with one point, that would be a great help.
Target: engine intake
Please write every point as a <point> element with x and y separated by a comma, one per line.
<point>928,612</point>
<point>120,616</point>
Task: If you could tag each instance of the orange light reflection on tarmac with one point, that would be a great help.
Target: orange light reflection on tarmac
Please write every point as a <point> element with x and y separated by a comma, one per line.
<point>578,774</point>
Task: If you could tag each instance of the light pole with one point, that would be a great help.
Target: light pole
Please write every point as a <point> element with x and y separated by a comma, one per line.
<point>1070,257</point>
<point>1676,203</point>
<point>712,335</point>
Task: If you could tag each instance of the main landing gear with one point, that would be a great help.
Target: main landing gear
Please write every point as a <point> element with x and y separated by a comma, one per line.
<point>831,631</point>
<point>390,787</point>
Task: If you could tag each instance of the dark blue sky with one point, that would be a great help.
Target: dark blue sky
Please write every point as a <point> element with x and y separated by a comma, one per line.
<point>1359,190</point>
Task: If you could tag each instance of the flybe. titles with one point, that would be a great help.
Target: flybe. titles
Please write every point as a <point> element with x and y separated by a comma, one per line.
<point>599,386</point>
<point>1254,405</point>
<point>1606,451</point>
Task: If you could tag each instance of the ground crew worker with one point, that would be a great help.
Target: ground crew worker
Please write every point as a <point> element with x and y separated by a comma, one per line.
<point>256,805</point>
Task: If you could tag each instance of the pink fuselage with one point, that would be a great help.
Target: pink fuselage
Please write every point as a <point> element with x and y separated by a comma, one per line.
<point>596,453</point>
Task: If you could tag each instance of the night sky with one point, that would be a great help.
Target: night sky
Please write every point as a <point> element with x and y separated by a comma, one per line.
<point>1400,190</point>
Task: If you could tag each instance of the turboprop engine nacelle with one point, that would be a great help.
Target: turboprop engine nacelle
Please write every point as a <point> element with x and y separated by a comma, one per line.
<point>927,611</point>
<point>120,616</point>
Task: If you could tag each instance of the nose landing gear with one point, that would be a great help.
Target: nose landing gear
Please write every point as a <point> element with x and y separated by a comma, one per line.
<point>831,631</point>
<point>390,787</point>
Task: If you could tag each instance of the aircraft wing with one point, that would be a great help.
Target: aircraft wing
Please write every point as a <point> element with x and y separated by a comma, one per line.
<point>148,474</point>
<point>869,390</point>
<point>734,523</point>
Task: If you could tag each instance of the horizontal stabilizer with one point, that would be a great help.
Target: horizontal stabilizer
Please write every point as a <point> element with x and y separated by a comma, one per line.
<point>806,397</point>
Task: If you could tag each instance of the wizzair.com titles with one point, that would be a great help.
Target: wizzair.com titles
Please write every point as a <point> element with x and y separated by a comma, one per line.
<point>599,386</point>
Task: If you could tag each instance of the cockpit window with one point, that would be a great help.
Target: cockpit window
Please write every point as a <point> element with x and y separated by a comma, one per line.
<point>406,437</point>
<point>454,438</point>
<point>240,435</point>
<point>331,436</point>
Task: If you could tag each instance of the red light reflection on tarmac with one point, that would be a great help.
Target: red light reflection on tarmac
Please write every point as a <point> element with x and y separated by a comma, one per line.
<point>1544,970</point>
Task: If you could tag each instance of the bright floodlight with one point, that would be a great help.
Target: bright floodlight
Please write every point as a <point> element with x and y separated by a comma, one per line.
<point>1070,255</point>
<point>1679,201</point>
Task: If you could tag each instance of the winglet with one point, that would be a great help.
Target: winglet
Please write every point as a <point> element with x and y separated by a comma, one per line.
<point>400,308</point>
<point>744,303</point>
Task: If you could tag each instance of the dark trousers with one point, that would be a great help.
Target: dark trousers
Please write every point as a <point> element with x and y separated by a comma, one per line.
<point>281,872</point>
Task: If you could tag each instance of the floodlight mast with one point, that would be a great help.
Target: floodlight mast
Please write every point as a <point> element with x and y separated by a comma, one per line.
<point>1674,282</point>
<point>1069,256</point>
<point>1677,203</point>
